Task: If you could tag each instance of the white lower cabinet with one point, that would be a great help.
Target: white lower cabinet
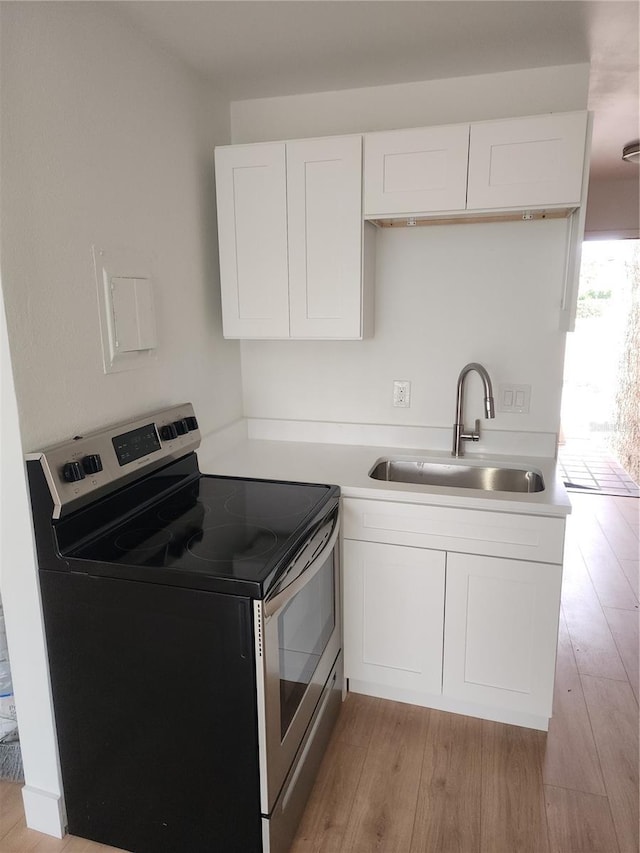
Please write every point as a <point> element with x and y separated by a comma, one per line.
<point>469,633</point>
<point>501,630</point>
<point>394,598</point>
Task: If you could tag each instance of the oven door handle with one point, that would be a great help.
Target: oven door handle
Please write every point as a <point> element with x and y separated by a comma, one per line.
<point>272,605</point>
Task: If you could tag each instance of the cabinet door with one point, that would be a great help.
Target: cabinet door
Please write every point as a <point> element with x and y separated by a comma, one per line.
<point>252,232</point>
<point>501,631</point>
<point>527,162</point>
<point>324,195</point>
<point>415,171</point>
<point>393,614</point>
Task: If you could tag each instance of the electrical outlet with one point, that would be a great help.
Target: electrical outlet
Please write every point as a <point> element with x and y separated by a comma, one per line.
<point>514,398</point>
<point>402,393</point>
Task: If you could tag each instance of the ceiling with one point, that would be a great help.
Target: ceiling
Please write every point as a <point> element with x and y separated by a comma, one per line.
<point>261,48</point>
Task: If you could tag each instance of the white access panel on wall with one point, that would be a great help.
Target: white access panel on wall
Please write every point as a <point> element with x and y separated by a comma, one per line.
<point>126,308</point>
<point>527,162</point>
<point>133,314</point>
<point>252,230</point>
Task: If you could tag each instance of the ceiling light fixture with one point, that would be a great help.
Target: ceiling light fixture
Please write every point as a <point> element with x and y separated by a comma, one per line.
<point>631,152</point>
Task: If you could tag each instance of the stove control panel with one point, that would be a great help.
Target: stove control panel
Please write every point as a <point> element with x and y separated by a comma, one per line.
<point>85,467</point>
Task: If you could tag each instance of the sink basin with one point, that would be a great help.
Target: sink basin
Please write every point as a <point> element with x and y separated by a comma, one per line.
<point>459,476</point>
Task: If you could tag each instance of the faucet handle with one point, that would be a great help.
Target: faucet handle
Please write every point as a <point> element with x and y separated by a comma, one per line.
<point>471,436</point>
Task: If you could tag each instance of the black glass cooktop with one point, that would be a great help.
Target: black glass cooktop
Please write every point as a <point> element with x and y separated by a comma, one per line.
<point>215,527</point>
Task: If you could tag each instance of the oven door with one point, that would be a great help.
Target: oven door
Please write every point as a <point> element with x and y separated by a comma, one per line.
<point>298,637</point>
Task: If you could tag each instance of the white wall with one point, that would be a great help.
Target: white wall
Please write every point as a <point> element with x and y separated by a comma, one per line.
<point>613,208</point>
<point>484,96</point>
<point>21,599</point>
<point>105,140</point>
<point>445,295</point>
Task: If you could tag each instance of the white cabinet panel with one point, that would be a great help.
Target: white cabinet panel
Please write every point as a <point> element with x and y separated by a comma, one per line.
<point>527,537</point>
<point>501,628</point>
<point>291,238</point>
<point>527,162</point>
<point>414,171</point>
<point>252,230</point>
<point>324,187</point>
<point>393,623</point>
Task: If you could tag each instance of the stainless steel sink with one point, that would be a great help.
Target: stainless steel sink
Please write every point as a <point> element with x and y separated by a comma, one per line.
<point>487,478</point>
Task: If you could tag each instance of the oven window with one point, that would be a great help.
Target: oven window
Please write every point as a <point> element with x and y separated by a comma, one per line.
<point>304,629</point>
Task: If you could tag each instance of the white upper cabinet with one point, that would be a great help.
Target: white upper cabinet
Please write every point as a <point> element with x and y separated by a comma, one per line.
<point>252,231</point>
<point>291,238</point>
<point>506,165</point>
<point>324,189</point>
<point>419,170</point>
<point>527,162</point>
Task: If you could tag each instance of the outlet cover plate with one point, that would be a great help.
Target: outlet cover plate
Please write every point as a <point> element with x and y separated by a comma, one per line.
<point>514,399</point>
<point>402,393</point>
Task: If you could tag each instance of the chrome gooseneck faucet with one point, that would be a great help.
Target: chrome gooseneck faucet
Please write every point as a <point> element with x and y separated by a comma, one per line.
<point>459,435</point>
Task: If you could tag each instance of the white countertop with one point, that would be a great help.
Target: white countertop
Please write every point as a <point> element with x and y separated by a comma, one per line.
<point>348,466</point>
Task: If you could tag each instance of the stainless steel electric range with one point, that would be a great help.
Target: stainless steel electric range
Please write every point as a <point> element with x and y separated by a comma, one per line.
<point>194,636</point>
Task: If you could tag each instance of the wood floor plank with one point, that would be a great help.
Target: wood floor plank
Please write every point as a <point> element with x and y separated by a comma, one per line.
<point>631,568</point>
<point>19,839</point>
<point>11,808</point>
<point>613,711</point>
<point>609,580</point>
<point>81,845</point>
<point>513,801</point>
<point>570,756</point>
<point>327,814</point>
<point>594,648</point>
<point>624,627</point>
<point>356,719</point>
<point>619,527</point>
<point>579,822</point>
<point>449,798</point>
<point>629,509</point>
<point>385,803</point>
<point>325,818</point>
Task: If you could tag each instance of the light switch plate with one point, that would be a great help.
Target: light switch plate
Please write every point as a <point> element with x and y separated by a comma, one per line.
<point>514,399</point>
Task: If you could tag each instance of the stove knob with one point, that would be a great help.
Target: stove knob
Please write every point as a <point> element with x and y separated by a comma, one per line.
<point>181,426</point>
<point>92,463</point>
<point>168,432</point>
<point>192,423</point>
<point>72,472</point>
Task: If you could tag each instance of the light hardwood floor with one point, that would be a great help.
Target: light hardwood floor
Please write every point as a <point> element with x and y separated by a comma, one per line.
<point>401,779</point>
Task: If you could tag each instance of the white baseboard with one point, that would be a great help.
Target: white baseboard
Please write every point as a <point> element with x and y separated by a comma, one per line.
<point>44,811</point>
<point>453,706</point>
